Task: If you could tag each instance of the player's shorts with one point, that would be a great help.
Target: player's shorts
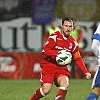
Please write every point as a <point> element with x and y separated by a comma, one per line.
<point>96,80</point>
<point>50,73</point>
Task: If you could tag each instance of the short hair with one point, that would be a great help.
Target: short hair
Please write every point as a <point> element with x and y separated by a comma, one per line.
<point>53,20</point>
<point>68,19</point>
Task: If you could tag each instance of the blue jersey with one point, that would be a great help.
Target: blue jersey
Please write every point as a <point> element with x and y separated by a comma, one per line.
<point>96,50</point>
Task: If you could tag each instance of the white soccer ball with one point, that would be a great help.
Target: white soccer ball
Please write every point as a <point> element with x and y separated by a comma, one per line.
<point>63,57</point>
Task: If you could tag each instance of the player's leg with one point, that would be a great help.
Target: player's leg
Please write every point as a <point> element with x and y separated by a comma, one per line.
<point>63,82</point>
<point>41,92</point>
<point>95,92</point>
<point>37,95</point>
<point>46,83</point>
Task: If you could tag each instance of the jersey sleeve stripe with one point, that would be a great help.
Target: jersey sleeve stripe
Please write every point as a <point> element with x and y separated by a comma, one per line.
<point>77,55</point>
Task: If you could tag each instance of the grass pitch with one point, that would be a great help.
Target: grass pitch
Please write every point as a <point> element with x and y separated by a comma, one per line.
<point>79,89</point>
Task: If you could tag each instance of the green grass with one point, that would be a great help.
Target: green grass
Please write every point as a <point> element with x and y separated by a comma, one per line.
<point>79,89</point>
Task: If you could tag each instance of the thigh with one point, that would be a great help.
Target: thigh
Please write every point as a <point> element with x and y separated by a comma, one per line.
<point>96,80</point>
<point>47,76</point>
<point>62,77</point>
<point>63,81</point>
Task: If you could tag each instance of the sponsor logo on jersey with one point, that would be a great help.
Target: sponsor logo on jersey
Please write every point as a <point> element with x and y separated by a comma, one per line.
<point>59,39</point>
<point>70,45</point>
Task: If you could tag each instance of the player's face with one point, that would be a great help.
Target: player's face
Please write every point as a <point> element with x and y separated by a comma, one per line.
<point>67,27</point>
<point>53,24</point>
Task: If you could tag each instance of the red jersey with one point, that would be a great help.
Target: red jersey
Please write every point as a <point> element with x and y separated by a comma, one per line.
<point>58,41</point>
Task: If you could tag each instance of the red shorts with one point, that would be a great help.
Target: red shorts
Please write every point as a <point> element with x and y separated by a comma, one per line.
<point>50,73</point>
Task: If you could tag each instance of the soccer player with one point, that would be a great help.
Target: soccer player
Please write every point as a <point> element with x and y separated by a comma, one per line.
<point>52,72</point>
<point>95,91</point>
<point>53,28</point>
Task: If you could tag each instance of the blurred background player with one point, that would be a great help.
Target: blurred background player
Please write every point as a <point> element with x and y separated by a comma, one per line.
<point>51,72</point>
<point>95,92</point>
<point>77,33</point>
<point>53,28</point>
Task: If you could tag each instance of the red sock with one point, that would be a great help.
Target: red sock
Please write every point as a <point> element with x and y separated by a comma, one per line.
<point>37,95</point>
<point>61,94</point>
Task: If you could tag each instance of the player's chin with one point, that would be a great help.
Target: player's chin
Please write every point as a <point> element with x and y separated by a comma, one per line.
<point>67,34</point>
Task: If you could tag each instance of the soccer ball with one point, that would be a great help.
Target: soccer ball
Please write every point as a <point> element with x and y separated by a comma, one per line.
<point>63,57</point>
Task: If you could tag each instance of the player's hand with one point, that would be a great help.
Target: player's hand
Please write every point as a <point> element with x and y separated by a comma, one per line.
<point>88,75</point>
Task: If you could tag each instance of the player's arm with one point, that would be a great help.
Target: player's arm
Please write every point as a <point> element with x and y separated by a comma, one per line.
<point>80,63</point>
<point>95,43</point>
<point>48,48</point>
<point>95,47</point>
